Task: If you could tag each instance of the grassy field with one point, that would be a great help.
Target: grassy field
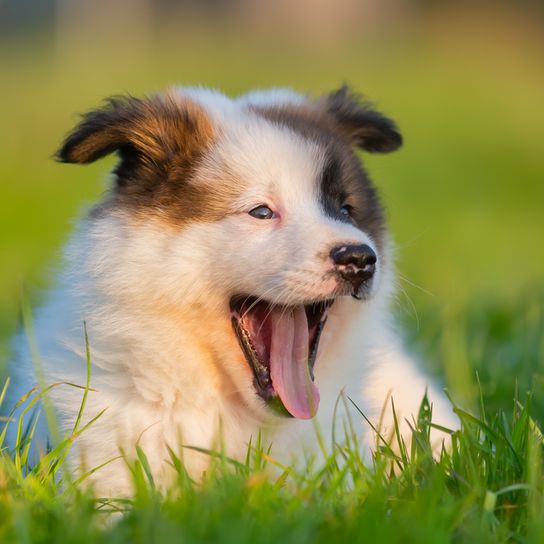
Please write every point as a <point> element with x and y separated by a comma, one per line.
<point>465,199</point>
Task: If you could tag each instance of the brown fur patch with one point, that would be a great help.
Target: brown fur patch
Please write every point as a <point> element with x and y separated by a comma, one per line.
<point>161,141</point>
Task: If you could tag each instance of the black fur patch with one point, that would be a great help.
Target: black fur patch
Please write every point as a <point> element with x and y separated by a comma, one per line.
<point>367,128</point>
<point>344,183</point>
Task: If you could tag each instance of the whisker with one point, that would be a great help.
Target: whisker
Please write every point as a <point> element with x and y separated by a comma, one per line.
<point>409,282</point>
<point>411,304</point>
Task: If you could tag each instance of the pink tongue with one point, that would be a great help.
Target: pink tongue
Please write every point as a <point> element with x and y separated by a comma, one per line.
<point>289,362</point>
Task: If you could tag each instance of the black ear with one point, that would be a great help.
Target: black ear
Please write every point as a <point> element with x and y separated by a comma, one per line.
<point>364,126</point>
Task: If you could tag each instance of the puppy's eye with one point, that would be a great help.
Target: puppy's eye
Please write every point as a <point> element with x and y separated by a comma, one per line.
<point>262,212</point>
<point>346,210</point>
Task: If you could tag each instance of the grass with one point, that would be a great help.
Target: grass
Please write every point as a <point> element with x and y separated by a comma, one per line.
<point>465,202</point>
<point>487,488</point>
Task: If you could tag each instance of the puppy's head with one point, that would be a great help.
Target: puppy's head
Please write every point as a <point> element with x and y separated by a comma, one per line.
<point>255,210</point>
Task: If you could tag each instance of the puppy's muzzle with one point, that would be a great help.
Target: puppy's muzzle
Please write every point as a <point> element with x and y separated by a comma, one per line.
<point>355,264</point>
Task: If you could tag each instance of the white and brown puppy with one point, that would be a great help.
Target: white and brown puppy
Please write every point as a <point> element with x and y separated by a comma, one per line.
<point>235,279</point>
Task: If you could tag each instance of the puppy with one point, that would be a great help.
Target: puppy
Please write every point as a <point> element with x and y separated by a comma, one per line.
<point>234,280</point>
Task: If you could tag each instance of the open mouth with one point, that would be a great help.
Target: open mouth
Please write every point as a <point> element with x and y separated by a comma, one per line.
<point>280,345</point>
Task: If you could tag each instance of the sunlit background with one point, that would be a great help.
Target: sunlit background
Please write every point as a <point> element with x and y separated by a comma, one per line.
<point>464,81</point>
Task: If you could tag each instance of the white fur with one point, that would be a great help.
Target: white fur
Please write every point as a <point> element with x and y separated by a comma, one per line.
<point>166,365</point>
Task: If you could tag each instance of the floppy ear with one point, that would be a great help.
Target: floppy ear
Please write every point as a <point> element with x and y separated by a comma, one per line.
<point>365,127</point>
<point>103,131</point>
<point>153,132</point>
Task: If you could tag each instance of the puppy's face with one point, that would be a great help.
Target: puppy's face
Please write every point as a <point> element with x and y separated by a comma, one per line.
<point>262,212</point>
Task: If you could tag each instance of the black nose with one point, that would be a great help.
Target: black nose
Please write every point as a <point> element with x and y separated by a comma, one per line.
<point>355,264</point>
<point>361,257</point>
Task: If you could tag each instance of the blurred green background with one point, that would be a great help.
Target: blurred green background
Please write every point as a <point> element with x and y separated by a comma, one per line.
<point>464,81</point>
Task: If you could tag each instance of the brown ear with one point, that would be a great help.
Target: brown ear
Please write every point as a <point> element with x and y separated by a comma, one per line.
<point>153,132</point>
<point>365,127</point>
